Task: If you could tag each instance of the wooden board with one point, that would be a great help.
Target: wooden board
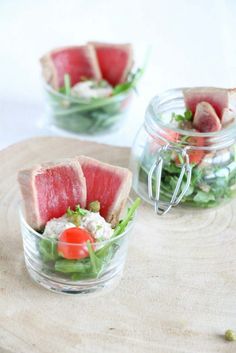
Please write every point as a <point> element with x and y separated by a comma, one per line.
<point>178,292</point>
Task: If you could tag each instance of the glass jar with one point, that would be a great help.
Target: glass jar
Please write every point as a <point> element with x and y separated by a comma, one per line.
<point>174,166</point>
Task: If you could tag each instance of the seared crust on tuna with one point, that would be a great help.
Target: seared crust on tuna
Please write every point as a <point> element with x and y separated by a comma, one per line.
<point>115,61</point>
<point>108,184</point>
<point>77,61</point>
<point>49,189</point>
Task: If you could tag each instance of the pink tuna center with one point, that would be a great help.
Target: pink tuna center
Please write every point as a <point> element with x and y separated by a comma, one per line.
<point>102,185</point>
<point>218,101</point>
<point>75,62</point>
<point>208,124</point>
<point>113,63</point>
<point>57,189</point>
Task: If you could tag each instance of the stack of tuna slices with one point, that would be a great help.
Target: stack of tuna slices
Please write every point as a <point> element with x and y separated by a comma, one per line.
<point>49,189</point>
<point>97,61</point>
<point>212,108</point>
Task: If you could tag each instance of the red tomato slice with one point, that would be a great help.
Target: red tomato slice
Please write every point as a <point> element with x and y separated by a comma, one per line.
<point>68,240</point>
<point>195,156</point>
<point>156,143</point>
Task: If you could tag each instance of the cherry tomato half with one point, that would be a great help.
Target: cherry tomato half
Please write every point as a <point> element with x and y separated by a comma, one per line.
<point>72,243</point>
<point>195,156</point>
<point>156,142</point>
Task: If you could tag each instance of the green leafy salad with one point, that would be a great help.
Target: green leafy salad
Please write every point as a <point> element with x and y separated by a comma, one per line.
<point>90,106</point>
<point>81,244</point>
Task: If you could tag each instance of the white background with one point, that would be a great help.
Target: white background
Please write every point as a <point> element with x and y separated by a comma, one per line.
<point>193,42</point>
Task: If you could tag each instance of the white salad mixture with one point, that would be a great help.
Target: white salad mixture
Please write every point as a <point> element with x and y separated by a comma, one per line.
<point>91,89</point>
<point>93,222</point>
<point>56,226</point>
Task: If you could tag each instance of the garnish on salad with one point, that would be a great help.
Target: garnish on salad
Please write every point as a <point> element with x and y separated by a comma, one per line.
<point>75,206</point>
<point>82,252</point>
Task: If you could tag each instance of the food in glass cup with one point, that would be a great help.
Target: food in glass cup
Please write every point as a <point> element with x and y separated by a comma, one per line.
<point>89,87</point>
<point>73,244</point>
<point>186,151</point>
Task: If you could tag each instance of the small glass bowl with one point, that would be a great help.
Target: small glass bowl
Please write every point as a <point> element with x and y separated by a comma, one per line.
<point>85,117</point>
<point>101,270</point>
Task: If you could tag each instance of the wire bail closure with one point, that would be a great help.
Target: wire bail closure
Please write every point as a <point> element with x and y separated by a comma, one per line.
<point>162,207</point>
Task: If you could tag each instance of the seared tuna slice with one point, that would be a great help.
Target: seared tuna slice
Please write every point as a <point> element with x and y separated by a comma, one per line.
<point>232,99</point>
<point>79,62</point>
<point>115,61</point>
<point>107,184</point>
<point>217,97</point>
<point>49,189</point>
<point>205,118</point>
<point>228,117</point>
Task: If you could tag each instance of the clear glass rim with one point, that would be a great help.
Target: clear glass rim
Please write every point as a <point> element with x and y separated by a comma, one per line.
<point>103,242</point>
<point>103,101</point>
<point>156,100</point>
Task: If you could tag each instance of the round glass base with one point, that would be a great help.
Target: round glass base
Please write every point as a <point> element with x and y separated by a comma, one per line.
<point>93,286</point>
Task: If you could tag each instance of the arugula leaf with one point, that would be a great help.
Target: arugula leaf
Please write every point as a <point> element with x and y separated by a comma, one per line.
<point>89,267</point>
<point>62,90</point>
<point>67,85</point>
<point>108,250</point>
<point>79,276</point>
<point>122,87</point>
<point>92,256</point>
<point>120,228</point>
<point>104,251</point>
<point>81,211</point>
<point>70,212</point>
<point>96,262</point>
<point>86,268</point>
<point>75,216</point>
<point>71,266</point>
<point>48,249</point>
<point>173,182</point>
<point>197,175</point>
<point>172,168</point>
<point>133,78</point>
<point>130,83</point>
<point>204,197</point>
<point>190,190</point>
<point>188,116</point>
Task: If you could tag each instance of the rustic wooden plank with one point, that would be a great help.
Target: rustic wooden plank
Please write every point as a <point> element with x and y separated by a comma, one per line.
<point>177,294</point>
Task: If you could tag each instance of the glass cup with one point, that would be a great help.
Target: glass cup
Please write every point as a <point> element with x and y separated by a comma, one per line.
<point>86,117</point>
<point>100,269</point>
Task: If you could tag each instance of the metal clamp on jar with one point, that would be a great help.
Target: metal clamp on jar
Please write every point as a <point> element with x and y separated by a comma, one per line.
<point>162,207</point>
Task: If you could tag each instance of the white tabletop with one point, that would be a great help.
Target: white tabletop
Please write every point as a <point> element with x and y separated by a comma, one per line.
<point>192,43</point>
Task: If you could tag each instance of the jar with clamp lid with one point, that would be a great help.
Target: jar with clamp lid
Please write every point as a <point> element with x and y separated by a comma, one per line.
<point>181,166</point>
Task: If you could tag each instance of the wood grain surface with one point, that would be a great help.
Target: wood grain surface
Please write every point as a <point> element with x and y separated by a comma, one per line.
<point>177,295</point>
